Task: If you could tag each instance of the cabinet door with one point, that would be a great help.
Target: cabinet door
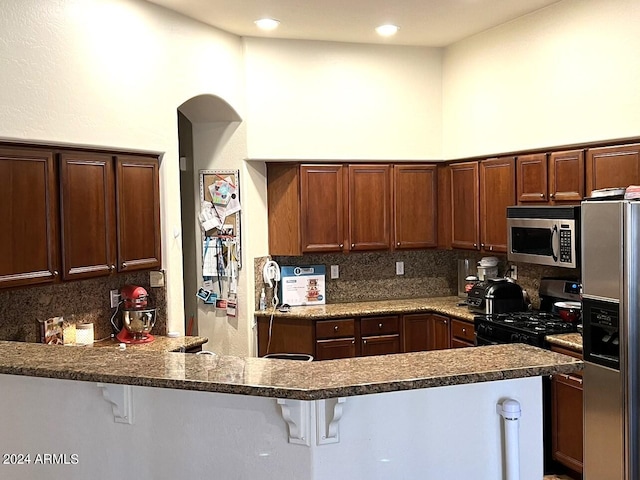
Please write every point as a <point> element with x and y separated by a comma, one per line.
<point>322,206</point>
<point>415,206</point>
<point>609,167</point>
<point>497,192</point>
<point>87,203</point>
<point>337,348</point>
<point>439,337</point>
<point>137,213</point>
<point>283,205</point>
<point>464,206</point>
<point>285,335</point>
<point>567,426</point>
<point>369,207</point>
<point>380,345</point>
<point>462,334</point>
<point>532,178</point>
<point>444,206</point>
<point>566,177</point>
<point>28,210</point>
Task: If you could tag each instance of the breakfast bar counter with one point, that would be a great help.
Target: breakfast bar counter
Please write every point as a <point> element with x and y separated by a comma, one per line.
<point>213,416</point>
<point>283,378</point>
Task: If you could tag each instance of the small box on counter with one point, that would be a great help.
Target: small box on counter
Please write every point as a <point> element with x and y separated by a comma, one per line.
<point>51,331</point>
<point>303,285</point>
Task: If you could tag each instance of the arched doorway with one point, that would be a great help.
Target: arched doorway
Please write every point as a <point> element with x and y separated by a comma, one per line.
<point>198,152</point>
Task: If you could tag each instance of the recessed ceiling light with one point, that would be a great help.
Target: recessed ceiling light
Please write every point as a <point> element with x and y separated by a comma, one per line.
<point>267,23</point>
<point>387,30</point>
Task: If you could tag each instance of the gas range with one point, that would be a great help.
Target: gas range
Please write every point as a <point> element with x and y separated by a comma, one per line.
<point>529,327</point>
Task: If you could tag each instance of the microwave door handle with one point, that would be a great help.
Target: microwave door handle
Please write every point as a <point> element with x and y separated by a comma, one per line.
<point>554,235</point>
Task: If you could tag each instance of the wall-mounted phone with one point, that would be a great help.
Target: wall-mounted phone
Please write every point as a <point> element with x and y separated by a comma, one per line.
<point>271,273</point>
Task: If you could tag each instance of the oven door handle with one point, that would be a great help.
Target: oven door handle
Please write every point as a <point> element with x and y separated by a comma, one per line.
<point>554,235</point>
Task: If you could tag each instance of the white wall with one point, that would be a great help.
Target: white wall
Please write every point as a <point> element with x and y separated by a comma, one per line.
<point>323,100</point>
<point>450,432</point>
<point>566,74</point>
<point>112,73</point>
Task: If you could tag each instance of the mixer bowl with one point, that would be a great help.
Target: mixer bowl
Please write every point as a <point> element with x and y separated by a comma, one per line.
<point>139,322</point>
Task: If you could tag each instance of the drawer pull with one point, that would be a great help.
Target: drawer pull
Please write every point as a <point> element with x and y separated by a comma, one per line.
<point>380,325</point>
<point>542,195</point>
<point>335,329</point>
<point>464,330</point>
<point>445,322</point>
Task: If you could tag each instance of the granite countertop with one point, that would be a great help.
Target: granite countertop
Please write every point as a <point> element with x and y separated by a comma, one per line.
<point>444,305</point>
<point>161,344</point>
<point>572,341</point>
<point>283,378</point>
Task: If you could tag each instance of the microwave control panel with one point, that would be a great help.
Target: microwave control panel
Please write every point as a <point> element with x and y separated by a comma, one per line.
<point>565,245</point>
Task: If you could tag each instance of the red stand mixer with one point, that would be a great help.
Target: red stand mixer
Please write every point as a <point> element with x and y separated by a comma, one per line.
<point>137,318</point>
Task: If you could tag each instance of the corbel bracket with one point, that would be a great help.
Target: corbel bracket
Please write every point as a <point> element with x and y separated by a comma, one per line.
<point>121,399</point>
<point>296,414</point>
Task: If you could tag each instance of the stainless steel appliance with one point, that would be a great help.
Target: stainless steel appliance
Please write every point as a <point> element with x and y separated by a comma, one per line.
<point>496,295</point>
<point>611,312</point>
<point>531,326</point>
<point>544,235</point>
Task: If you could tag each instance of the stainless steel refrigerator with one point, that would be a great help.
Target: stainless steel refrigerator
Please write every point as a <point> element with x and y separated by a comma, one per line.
<point>610,235</point>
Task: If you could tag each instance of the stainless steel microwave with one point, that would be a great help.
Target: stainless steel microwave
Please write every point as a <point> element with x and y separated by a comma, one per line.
<point>544,235</point>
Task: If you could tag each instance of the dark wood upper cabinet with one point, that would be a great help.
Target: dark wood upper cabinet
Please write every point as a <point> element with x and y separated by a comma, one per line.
<point>415,206</point>
<point>444,206</point>
<point>497,192</point>
<point>29,212</point>
<point>322,199</point>
<point>369,207</point>
<point>551,179</point>
<point>87,204</point>
<point>465,212</point>
<point>137,213</point>
<point>566,177</point>
<point>609,167</point>
<point>283,207</point>
<point>532,178</point>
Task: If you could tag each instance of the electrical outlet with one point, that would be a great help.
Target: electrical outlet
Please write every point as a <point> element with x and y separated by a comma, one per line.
<point>335,271</point>
<point>114,297</point>
<point>399,268</point>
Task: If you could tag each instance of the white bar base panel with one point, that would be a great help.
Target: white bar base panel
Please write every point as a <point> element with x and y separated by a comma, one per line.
<point>430,434</point>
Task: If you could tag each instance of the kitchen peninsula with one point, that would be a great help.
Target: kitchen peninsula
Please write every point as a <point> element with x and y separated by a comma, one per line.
<point>413,415</point>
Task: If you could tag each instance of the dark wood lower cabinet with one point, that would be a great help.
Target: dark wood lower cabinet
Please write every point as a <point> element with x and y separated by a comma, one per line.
<point>380,345</point>
<point>328,339</point>
<point>566,420</point>
<point>336,348</point>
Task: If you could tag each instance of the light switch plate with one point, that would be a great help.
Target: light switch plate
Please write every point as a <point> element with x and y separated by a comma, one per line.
<point>156,279</point>
<point>335,271</point>
<point>399,268</point>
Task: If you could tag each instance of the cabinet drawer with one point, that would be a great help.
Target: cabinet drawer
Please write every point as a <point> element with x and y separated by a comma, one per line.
<point>379,326</point>
<point>332,349</point>
<point>463,331</point>
<point>335,328</point>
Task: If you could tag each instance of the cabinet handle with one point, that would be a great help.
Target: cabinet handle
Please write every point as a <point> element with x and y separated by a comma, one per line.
<point>341,245</point>
<point>112,268</point>
<point>398,244</point>
<point>482,245</point>
<point>335,329</point>
<point>352,342</point>
<point>464,330</point>
<point>56,273</point>
<point>353,245</point>
<point>124,264</point>
<point>552,195</point>
<point>379,325</point>
<point>445,322</point>
<point>491,248</point>
<point>542,195</point>
<point>475,245</point>
<point>364,341</point>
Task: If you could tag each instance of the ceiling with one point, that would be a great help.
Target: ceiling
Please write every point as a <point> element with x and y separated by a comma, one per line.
<point>434,23</point>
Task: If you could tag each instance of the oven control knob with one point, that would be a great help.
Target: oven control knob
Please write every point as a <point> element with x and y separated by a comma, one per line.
<point>515,338</point>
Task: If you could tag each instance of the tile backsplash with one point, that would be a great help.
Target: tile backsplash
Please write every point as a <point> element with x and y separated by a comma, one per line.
<point>78,301</point>
<point>427,273</point>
